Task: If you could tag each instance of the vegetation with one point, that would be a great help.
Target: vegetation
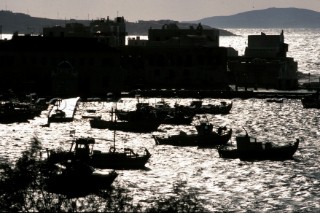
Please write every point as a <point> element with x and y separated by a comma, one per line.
<point>22,188</point>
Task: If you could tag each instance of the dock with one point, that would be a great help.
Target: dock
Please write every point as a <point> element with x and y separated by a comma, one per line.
<point>63,110</point>
<point>227,94</point>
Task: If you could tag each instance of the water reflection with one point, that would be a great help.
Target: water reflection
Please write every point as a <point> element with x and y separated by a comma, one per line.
<point>222,184</point>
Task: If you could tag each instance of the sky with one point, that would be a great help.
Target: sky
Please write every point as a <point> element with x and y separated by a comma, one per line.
<point>135,10</point>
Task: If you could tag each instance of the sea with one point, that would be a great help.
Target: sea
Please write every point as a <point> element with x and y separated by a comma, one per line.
<point>221,185</point>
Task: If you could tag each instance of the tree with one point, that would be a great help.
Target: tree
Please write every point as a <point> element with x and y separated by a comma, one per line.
<point>22,188</point>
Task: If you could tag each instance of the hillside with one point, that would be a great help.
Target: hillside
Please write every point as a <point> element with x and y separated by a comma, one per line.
<point>267,18</point>
<point>23,23</point>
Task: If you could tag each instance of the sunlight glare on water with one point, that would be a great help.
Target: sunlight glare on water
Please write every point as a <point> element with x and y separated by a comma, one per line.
<point>221,184</point>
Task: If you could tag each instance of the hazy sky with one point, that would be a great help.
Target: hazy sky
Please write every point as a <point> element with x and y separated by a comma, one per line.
<point>134,10</point>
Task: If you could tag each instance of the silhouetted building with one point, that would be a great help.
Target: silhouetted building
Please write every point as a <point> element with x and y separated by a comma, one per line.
<point>94,60</point>
<point>171,35</point>
<point>177,58</point>
<point>265,64</point>
<point>111,32</point>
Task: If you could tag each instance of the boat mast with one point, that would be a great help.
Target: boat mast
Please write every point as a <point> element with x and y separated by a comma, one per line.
<point>114,138</point>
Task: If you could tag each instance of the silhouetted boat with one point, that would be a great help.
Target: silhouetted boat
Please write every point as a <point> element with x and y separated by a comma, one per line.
<point>16,111</point>
<point>161,112</point>
<point>248,148</point>
<point>205,137</point>
<point>77,179</point>
<point>275,100</point>
<point>312,101</point>
<point>197,107</point>
<point>90,115</point>
<point>114,159</point>
<point>142,125</point>
<point>57,116</point>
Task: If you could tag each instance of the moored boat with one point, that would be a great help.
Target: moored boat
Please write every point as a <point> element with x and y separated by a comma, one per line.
<point>205,137</point>
<point>248,148</point>
<point>82,150</point>
<point>140,124</point>
<point>77,179</point>
<point>312,101</point>
<point>274,100</point>
<point>161,112</point>
<point>16,111</point>
<point>197,107</point>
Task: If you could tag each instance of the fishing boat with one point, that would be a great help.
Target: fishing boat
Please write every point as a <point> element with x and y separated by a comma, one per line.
<point>82,150</point>
<point>274,100</point>
<point>161,112</point>
<point>205,137</point>
<point>248,148</point>
<point>142,125</point>
<point>77,179</point>
<point>17,111</point>
<point>197,107</point>
<point>311,101</point>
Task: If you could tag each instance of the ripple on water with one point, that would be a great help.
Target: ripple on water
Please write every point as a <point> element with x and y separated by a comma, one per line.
<point>221,184</point>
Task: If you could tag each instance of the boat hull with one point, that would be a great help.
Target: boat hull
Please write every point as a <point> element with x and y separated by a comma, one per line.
<point>118,161</point>
<point>275,153</point>
<point>208,140</point>
<point>79,185</point>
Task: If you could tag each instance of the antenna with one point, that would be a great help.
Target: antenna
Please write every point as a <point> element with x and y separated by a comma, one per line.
<point>245,131</point>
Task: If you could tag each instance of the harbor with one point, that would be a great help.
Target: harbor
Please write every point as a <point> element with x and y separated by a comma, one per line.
<point>211,177</point>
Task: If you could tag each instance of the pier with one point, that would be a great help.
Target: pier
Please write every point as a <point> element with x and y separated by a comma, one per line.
<point>226,94</point>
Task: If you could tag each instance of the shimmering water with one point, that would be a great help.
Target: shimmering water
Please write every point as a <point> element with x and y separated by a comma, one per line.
<point>222,185</point>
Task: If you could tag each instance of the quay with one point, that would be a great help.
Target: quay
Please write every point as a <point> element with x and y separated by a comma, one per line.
<point>226,94</point>
<point>62,110</point>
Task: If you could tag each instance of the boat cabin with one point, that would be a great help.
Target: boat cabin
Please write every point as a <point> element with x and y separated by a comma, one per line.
<point>247,143</point>
<point>196,104</point>
<point>204,128</point>
<point>82,149</point>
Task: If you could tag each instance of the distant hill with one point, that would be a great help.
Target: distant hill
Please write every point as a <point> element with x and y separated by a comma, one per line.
<point>267,18</point>
<point>23,23</point>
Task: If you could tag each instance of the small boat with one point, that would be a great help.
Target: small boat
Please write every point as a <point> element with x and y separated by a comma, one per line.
<point>89,115</point>
<point>161,113</point>
<point>312,101</point>
<point>205,137</point>
<point>248,148</point>
<point>57,116</point>
<point>114,159</point>
<point>274,100</point>
<point>17,111</point>
<point>142,125</point>
<point>197,107</point>
<point>77,179</point>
